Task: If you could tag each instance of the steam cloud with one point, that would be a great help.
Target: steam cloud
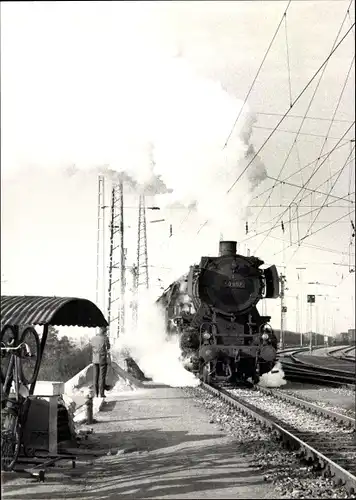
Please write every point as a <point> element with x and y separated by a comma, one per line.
<point>158,356</point>
<point>164,127</point>
<point>185,122</point>
<point>274,378</point>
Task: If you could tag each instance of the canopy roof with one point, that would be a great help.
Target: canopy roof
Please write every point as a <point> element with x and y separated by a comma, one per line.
<point>56,311</point>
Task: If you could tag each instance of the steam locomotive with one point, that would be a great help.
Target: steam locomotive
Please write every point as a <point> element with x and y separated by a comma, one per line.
<point>213,310</point>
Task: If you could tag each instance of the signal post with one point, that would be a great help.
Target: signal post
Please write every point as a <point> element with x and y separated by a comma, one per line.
<point>311,301</point>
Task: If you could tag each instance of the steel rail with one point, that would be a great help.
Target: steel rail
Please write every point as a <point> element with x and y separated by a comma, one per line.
<point>321,368</point>
<point>314,408</point>
<point>289,437</point>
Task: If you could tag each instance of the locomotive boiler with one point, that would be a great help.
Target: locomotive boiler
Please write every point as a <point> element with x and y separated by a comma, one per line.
<point>213,310</point>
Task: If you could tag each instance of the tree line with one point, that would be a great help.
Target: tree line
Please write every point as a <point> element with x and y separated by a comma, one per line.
<point>62,358</point>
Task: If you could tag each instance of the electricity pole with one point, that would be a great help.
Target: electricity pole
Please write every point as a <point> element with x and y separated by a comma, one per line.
<point>301,269</point>
<point>100,245</point>
<point>142,256</point>
<point>311,301</point>
<point>134,271</point>
<point>117,257</point>
<point>282,279</point>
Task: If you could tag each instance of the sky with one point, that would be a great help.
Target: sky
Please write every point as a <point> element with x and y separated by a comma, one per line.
<point>154,88</point>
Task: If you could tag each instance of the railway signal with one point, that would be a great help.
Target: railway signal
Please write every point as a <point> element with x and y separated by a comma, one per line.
<point>311,301</point>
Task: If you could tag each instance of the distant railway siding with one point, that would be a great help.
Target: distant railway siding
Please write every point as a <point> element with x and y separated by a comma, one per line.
<point>338,399</point>
<point>343,416</point>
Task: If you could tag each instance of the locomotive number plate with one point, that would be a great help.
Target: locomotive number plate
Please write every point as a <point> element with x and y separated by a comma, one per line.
<point>235,284</point>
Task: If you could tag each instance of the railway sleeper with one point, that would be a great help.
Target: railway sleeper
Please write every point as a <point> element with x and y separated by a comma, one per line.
<point>288,439</point>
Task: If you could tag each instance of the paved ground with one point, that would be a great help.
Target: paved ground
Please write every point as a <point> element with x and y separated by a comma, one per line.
<point>162,446</point>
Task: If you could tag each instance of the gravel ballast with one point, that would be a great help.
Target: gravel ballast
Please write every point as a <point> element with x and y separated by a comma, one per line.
<point>283,468</point>
<point>338,399</point>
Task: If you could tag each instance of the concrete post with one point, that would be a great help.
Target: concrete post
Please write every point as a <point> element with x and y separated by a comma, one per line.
<point>89,409</point>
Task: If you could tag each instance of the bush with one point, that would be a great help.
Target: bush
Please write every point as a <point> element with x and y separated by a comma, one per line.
<point>62,358</point>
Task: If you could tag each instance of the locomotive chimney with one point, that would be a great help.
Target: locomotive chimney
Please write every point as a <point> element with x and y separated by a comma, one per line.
<point>227,248</point>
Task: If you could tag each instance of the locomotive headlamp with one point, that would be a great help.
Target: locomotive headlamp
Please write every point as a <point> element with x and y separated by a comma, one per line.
<point>265,336</point>
<point>206,336</point>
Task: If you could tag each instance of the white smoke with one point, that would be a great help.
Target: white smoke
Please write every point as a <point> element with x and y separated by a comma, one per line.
<point>158,355</point>
<point>274,378</point>
<point>152,118</point>
<point>158,117</point>
<point>194,119</point>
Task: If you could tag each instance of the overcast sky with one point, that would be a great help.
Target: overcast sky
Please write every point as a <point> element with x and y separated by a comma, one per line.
<point>96,83</point>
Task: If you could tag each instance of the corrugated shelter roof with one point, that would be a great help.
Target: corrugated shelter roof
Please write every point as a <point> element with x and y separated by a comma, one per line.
<point>56,311</point>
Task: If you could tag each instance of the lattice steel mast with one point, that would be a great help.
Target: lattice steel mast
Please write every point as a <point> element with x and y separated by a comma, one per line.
<point>134,304</point>
<point>142,255</point>
<point>121,325</point>
<point>117,262</point>
<point>100,244</point>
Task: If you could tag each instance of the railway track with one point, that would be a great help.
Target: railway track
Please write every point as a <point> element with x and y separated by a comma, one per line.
<point>334,454</point>
<point>312,407</point>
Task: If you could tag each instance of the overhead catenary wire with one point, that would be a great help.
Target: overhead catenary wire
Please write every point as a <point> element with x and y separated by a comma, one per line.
<point>283,116</point>
<point>316,118</point>
<point>322,72</point>
<point>276,225</point>
<point>309,245</point>
<point>247,96</point>
<point>299,170</point>
<point>321,229</point>
<point>244,240</point>
<point>349,15</point>
<point>306,183</point>
<point>288,62</point>
<point>337,107</point>
<point>328,194</point>
<point>296,218</point>
<point>316,190</point>
<point>257,74</point>
<point>323,145</point>
<point>308,134</point>
<point>307,213</point>
<point>286,113</point>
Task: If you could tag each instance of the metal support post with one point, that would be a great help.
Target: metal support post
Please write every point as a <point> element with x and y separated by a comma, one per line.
<point>301,269</point>
<point>121,326</point>
<point>134,294</point>
<point>116,263</point>
<point>311,327</point>
<point>283,309</point>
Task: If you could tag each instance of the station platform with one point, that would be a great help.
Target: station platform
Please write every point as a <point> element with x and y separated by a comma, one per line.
<point>155,442</point>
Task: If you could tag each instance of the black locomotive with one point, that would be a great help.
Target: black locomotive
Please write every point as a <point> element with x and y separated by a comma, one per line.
<point>213,310</point>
